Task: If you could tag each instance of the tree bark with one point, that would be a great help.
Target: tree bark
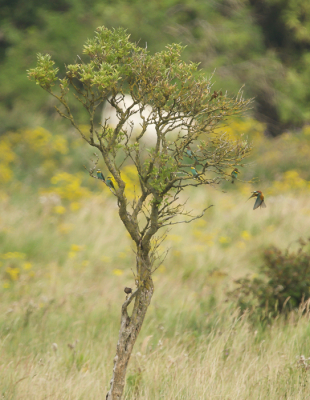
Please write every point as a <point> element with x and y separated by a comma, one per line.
<point>130,326</point>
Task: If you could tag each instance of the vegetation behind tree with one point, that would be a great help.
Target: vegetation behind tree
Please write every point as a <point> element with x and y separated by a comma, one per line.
<point>262,44</point>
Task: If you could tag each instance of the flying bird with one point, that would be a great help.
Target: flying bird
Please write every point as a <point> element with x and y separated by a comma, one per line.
<point>260,199</point>
<point>234,175</point>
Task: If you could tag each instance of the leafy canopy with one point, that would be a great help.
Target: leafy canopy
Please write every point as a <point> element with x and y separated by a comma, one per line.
<point>167,93</point>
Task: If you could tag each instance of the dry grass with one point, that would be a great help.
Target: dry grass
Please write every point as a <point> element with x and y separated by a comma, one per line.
<point>59,319</point>
<point>63,270</point>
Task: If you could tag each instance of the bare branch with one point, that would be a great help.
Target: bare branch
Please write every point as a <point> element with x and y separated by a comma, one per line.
<point>187,221</point>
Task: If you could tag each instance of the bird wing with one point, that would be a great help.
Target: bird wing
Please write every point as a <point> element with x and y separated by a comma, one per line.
<point>257,203</point>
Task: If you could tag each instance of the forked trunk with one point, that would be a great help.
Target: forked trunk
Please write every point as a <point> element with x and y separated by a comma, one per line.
<point>130,326</point>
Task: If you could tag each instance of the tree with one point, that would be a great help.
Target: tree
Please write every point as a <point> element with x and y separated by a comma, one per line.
<point>181,99</point>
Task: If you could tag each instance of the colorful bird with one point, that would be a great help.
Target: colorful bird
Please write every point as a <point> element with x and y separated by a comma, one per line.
<point>190,153</point>
<point>234,175</point>
<point>260,202</point>
<point>195,173</point>
<point>109,182</point>
<point>100,175</point>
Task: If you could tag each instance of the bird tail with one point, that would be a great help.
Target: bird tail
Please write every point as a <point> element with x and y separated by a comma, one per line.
<point>232,181</point>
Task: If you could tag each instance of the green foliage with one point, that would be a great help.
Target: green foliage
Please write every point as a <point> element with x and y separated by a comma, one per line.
<point>283,284</point>
<point>134,381</point>
<point>263,44</point>
<point>44,74</point>
<point>179,96</point>
<point>285,30</point>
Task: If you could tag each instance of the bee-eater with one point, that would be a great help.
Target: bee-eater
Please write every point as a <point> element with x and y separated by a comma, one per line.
<point>234,175</point>
<point>195,173</point>
<point>109,182</point>
<point>190,153</point>
<point>260,202</point>
<point>100,175</point>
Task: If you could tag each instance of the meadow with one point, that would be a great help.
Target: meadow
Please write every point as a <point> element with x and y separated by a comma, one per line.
<point>65,259</point>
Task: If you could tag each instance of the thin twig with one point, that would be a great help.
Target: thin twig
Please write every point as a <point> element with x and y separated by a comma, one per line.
<point>188,221</point>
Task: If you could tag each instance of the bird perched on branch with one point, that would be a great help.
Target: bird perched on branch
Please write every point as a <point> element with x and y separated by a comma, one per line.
<point>195,173</point>
<point>190,153</point>
<point>109,182</point>
<point>260,199</point>
<point>100,175</point>
<point>234,174</point>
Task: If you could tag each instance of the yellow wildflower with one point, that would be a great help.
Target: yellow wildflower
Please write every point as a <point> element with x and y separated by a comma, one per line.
<point>200,223</point>
<point>174,238</point>
<point>106,259</point>
<point>224,240</point>
<point>162,269</point>
<point>65,228</point>
<point>85,263</point>
<point>13,273</point>
<point>7,155</point>
<point>74,206</point>
<point>5,173</point>
<point>59,210</point>
<point>130,177</point>
<point>27,265</point>
<point>122,255</point>
<point>69,186</point>
<point>246,235</point>
<point>76,248</point>
<point>14,254</point>
<point>117,272</point>
<point>60,144</point>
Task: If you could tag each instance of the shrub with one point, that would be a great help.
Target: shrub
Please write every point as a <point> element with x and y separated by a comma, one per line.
<point>282,285</point>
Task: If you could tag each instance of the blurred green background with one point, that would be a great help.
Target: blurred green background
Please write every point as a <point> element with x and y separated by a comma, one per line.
<point>263,44</point>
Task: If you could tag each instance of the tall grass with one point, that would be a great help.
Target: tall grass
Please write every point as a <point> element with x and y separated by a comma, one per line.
<point>64,263</point>
<point>59,320</point>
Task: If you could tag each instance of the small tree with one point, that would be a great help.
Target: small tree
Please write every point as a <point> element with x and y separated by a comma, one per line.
<point>180,99</point>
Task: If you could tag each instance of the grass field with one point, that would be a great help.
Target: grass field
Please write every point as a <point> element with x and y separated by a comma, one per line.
<point>65,259</point>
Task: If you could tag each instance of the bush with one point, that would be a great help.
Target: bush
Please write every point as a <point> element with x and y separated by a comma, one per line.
<point>283,283</point>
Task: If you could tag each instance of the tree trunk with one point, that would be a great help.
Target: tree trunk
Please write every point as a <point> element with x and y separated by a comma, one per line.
<point>130,326</point>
